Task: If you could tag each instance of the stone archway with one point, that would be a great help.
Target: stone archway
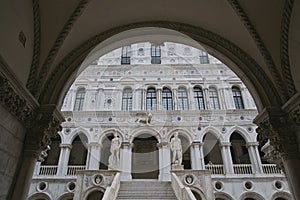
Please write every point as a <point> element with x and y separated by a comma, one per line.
<point>145,157</point>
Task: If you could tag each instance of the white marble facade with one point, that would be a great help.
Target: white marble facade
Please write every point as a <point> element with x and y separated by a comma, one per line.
<point>218,134</point>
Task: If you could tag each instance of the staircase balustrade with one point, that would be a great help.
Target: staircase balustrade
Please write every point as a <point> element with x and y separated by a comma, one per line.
<point>112,191</point>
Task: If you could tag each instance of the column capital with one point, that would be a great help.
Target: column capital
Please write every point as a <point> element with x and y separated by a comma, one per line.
<point>280,127</point>
<point>127,144</point>
<point>44,126</point>
<point>197,143</point>
<point>225,144</point>
<point>248,144</point>
<point>162,144</point>
<point>69,146</point>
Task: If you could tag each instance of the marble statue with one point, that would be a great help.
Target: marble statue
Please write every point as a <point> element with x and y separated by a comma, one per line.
<point>176,149</point>
<point>114,158</point>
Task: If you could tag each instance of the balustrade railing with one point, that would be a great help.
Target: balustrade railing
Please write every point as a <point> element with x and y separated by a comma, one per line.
<point>242,168</point>
<point>215,169</point>
<point>112,191</point>
<point>271,169</point>
<point>48,170</point>
<point>72,169</point>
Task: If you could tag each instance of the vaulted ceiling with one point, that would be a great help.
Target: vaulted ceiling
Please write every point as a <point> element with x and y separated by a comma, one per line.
<point>39,36</point>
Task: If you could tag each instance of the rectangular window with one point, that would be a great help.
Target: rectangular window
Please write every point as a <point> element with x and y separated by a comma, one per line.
<point>126,54</point>
<point>155,54</point>
<point>203,57</point>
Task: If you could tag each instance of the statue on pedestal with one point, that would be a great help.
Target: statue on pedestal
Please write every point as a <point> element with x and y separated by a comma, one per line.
<point>114,158</point>
<point>176,149</point>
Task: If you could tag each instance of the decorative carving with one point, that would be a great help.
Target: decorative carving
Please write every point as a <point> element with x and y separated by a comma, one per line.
<point>284,42</point>
<point>279,129</point>
<point>16,105</point>
<point>144,117</point>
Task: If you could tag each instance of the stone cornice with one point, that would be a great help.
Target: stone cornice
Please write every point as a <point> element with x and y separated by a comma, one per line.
<point>15,97</point>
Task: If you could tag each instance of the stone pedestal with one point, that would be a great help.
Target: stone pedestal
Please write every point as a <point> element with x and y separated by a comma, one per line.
<point>177,167</point>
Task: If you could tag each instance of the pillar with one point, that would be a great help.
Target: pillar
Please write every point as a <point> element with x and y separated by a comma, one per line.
<point>196,155</point>
<point>144,96</point>
<point>222,98</point>
<point>174,97</point>
<point>159,100</point>
<point>206,98</point>
<point>202,164</point>
<point>36,143</point>
<point>65,150</point>
<point>254,157</point>
<point>226,157</point>
<point>126,156</point>
<point>191,99</point>
<point>282,128</point>
<point>164,161</point>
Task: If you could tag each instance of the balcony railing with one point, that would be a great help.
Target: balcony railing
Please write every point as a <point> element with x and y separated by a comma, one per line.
<point>48,170</point>
<point>242,168</point>
<point>72,169</point>
<point>271,169</point>
<point>215,169</point>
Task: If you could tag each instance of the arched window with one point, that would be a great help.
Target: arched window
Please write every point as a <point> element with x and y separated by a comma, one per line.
<point>127,99</point>
<point>199,98</point>
<point>155,54</point>
<point>126,54</point>
<point>237,97</point>
<point>213,98</point>
<point>203,57</point>
<point>151,100</point>
<point>167,100</point>
<point>239,151</point>
<point>79,99</point>
<point>183,102</point>
<point>78,153</point>
<point>54,152</point>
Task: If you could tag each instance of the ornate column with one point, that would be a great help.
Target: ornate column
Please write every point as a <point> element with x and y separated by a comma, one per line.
<point>254,157</point>
<point>159,100</point>
<point>222,98</point>
<point>174,97</point>
<point>125,158</point>
<point>65,150</point>
<point>206,98</point>
<point>143,94</point>
<point>164,161</point>
<point>94,156</point>
<point>202,164</point>
<point>191,98</point>
<point>282,128</point>
<point>44,125</point>
<point>196,155</point>
<point>226,157</point>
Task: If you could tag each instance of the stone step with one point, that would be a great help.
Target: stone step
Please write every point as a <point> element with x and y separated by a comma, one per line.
<point>150,190</point>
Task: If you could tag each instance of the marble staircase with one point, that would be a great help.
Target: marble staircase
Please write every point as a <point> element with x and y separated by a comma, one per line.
<point>150,190</point>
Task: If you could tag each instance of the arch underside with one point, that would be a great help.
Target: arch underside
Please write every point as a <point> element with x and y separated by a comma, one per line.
<point>259,84</point>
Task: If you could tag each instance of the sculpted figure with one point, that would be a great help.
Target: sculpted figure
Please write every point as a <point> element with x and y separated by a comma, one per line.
<point>144,118</point>
<point>114,158</point>
<point>176,149</point>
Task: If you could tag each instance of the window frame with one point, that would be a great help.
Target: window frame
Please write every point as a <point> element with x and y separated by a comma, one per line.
<point>79,100</point>
<point>126,55</point>
<point>199,98</point>
<point>237,98</point>
<point>182,99</point>
<point>151,99</point>
<point>167,99</point>
<point>127,99</point>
